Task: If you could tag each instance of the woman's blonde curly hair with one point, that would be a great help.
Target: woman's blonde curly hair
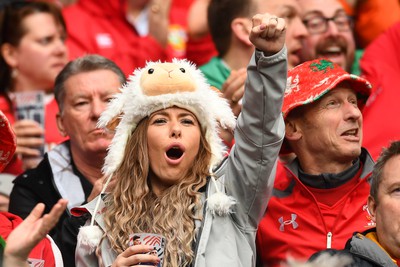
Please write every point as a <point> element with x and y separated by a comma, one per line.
<point>132,207</point>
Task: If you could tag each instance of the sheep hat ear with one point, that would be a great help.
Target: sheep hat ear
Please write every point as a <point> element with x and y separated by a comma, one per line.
<point>159,86</point>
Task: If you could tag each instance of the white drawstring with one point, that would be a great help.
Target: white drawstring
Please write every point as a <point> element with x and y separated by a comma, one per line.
<point>96,207</point>
<point>219,203</point>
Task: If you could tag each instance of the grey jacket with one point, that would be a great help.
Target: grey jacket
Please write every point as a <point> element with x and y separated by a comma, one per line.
<point>247,175</point>
<point>362,251</point>
<point>367,253</point>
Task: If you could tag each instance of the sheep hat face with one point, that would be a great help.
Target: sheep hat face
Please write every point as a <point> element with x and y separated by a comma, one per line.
<point>159,86</point>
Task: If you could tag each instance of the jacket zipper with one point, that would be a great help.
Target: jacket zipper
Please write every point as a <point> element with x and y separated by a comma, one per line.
<point>329,240</point>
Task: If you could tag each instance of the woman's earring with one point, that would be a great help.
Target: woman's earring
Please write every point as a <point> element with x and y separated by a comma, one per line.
<point>14,73</point>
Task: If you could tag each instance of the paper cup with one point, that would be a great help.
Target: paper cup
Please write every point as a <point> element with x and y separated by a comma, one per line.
<point>157,241</point>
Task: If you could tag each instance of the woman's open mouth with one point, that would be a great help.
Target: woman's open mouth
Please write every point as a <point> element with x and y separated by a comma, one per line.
<point>174,153</point>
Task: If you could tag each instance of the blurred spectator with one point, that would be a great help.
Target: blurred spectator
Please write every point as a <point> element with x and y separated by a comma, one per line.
<point>330,32</point>
<point>380,64</point>
<point>371,18</point>
<point>199,24</point>
<point>72,170</point>
<point>230,34</point>
<point>129,32</point>
<point>227,71</point>
<point>32,54</point>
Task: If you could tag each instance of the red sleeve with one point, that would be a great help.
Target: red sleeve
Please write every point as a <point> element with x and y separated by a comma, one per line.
<point>43,251</point>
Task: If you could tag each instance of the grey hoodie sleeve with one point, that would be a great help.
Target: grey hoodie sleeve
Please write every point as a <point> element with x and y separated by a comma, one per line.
<point>259,134</point>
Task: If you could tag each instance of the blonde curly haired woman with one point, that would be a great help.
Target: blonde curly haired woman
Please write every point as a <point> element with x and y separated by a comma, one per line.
<point>166,163</point>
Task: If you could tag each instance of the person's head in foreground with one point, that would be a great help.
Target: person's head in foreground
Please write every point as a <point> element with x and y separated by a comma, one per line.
<point>384,199</point>
<point>322,114</point>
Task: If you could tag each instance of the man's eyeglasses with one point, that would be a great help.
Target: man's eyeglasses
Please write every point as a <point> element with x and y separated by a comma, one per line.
<point>318,24</point>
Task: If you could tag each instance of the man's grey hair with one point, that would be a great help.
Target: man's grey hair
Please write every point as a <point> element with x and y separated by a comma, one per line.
<point>83,64</point>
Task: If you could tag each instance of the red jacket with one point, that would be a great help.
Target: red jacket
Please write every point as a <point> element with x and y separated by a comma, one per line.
<point>42,251</point>
<point>294,223</point>
<point>380,65</point>
<point>101,27</point>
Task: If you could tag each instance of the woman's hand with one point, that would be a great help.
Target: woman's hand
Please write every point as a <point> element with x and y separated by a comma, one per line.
<point>30,140</point>
<point>135,255</point>
<point>233,89</point>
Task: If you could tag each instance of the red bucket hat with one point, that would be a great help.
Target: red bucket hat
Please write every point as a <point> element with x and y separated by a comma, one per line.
<point>7,141</point>
<point>308,82</point>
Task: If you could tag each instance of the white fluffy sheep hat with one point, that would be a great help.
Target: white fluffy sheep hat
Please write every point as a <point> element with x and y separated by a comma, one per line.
<point>159,86</point>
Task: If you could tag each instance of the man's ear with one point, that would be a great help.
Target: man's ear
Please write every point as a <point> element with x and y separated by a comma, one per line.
<point>241,28</point>
<point>60,124</point>
<point>372,207</point>
<point>9,54</point>
<point>292,130</point>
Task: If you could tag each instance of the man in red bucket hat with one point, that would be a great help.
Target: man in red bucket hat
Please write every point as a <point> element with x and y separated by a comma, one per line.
<point>26,241</point>
<point>320,196</point>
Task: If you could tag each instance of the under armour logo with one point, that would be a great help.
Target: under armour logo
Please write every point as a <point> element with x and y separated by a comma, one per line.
<point>287,222</point>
